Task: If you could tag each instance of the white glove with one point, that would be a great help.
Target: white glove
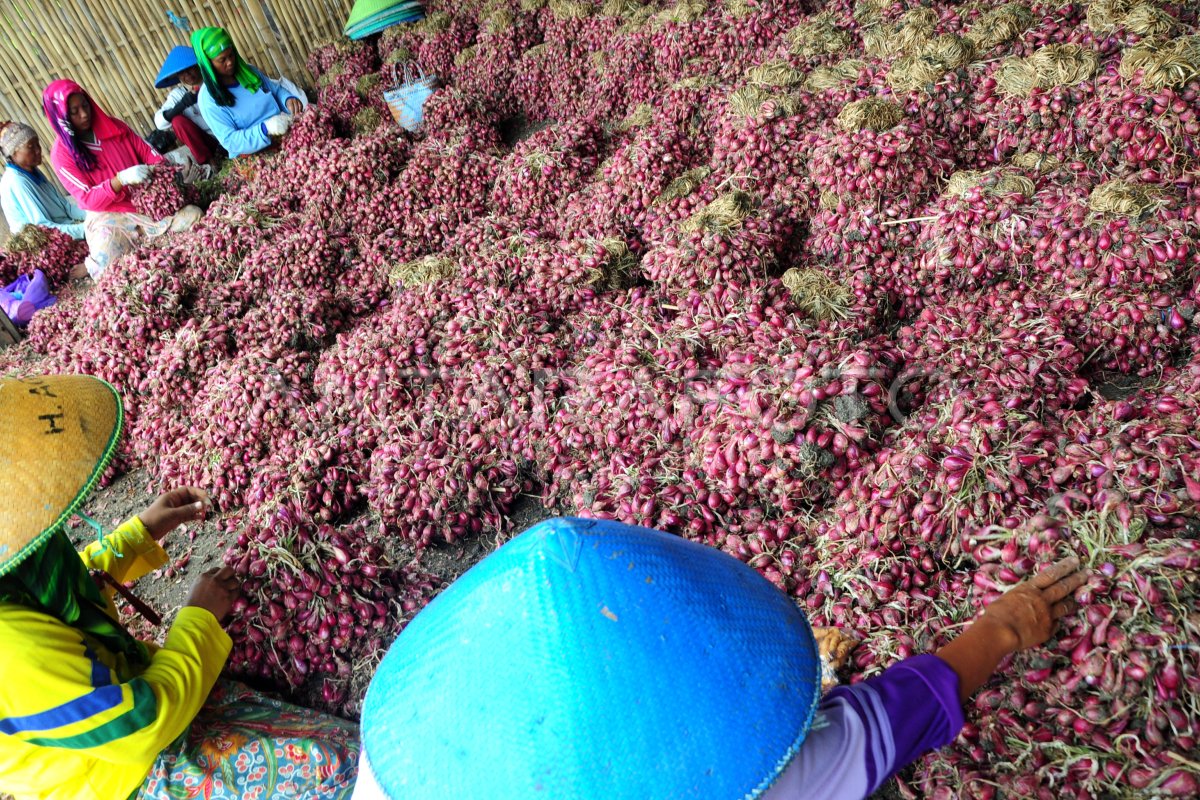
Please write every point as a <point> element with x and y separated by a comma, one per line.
<point>179,156</point>
<point>135,175</point>
<point>278,125</point>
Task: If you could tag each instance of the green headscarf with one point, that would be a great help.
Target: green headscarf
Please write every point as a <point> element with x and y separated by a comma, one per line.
<point>53,580</point>
<point>210,43</point>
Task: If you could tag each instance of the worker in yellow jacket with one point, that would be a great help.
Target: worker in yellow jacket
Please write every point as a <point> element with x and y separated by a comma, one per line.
<point>88,711</point>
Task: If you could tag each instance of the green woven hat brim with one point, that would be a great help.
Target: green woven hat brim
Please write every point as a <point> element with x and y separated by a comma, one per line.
<point>366,30</point>
<point>408,12</point>
<point>364,9</point>
<point>52,462</point>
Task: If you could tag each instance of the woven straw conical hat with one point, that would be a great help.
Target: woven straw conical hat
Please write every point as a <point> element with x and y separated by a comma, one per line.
<point>57,436</point>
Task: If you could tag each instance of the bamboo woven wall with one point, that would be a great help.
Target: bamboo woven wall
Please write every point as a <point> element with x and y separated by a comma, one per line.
<point>114,48</point>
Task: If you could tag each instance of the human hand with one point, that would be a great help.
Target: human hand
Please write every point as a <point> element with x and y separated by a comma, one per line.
<point>1027,613</point>
<point>278,125</point>
<point>215,591</point>
<point>173,509</point>
<point>294,106</point>
<point>132,176</point>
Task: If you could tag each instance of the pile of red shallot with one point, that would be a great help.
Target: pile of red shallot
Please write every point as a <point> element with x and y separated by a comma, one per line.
<point>894,302</point>
<point>52,251</point>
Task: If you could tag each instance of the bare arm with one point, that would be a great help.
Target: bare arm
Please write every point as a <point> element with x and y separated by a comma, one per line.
<point>1022,618</point>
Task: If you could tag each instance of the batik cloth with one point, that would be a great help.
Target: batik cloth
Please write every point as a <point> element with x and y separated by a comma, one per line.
<point>245,745</point>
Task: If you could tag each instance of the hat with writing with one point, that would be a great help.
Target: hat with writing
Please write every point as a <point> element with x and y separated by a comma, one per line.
<point>58,434</point>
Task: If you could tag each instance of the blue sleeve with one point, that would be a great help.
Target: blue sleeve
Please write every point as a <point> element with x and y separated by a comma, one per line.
<point>227,128</point>
<point>76,213</point>
<point>23,206</point>
<point>278,91</point>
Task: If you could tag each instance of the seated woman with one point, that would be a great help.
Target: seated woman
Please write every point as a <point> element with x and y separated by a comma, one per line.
<point>26,197</point>
<point>245,109</point>
<point>96,157</point>
<point>608,662</point>
<point>179,112</point>
<point>86,709</point>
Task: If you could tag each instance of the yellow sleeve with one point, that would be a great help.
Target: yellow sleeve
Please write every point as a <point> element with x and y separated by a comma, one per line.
<point>139,553</point>
<point>58,695</point>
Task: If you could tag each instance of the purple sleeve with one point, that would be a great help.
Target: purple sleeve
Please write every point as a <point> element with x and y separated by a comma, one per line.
<point>920,699</point>
<point>864,734</point>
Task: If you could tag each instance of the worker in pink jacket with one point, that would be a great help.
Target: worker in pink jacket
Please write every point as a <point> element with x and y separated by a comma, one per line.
<point>97,158</point>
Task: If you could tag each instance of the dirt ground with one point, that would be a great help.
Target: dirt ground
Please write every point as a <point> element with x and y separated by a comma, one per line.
<point>196,548</point>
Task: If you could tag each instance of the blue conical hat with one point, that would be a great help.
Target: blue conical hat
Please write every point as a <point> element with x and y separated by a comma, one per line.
<point>590,659</point>
<point>179,59</point>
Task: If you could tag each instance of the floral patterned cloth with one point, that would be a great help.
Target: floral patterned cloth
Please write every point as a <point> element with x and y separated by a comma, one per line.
<point>112,234</point>
<point>244,745</point>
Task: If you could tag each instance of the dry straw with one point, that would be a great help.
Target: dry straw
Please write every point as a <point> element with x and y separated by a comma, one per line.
<point>620,8</point>
<point>830,200</point>
<point>619,269</point>
<point>915,28</point>
<point>1135,16</point>
<point>366,121</point>
<point>533,5</point>
<point>638,118</point>
<point>1106,15</point>
<point>774,74</point>
<point>684,185</point>
<point>1146,20</point>
<point>392,35</point>
<point>465,55</point>
<point>991,182</point>
<point>537,51</point>
<point>1000,26</point>
<point>817,295</point>
<point>868,12</point>
<point>1042,163</point>
<point>422,271</point>
<point>871,113</point>
<point>819,36</point>
<point>935,58</point>
<point>823,78</point>
<point>1017,77</point>
<point>497,21</point>
<point>31,239</point>
<point>740,8</point>
<point>331,75</point>
<point>398,55</point>
<point>754,102</point>
<point>722,216</point>
<point>435,23</point>
<point>570,9</point>
<point>1169,64</point>
<point>695,82</point>
<point>1052,65</point>
<point>683,12</point>
<point>637,19</point>
<point>368,84</point>
<point>1124,199</point>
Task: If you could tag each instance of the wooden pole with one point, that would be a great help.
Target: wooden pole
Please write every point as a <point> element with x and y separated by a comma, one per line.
<point>114,48</point>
